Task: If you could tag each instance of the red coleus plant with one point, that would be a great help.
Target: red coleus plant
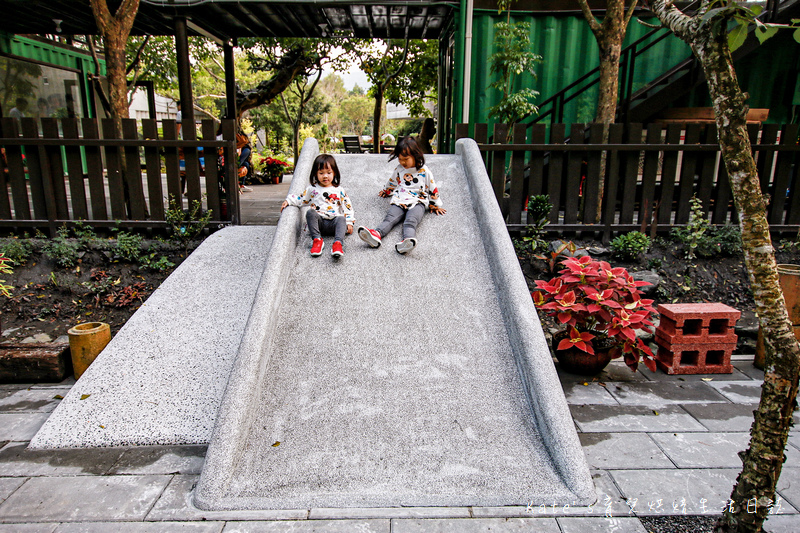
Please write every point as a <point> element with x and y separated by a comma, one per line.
<point>594,299</point>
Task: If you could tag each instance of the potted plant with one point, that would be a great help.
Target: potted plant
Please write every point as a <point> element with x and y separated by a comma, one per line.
<point>602,308</point>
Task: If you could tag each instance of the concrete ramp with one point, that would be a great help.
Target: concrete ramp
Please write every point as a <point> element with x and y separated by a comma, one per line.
<point>382,380</point>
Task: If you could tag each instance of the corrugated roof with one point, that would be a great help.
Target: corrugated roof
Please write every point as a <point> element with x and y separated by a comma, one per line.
<point>416,19</point>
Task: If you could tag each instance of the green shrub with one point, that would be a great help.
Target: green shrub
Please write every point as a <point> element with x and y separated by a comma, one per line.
<point>729,239</point>
<point>693,236</point>
<point>17,250</point>
<point>628,246</point>
<point>63,250</point>
<point>129,246</point>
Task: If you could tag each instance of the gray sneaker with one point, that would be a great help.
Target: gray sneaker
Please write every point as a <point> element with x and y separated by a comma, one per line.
<point>406,245</point>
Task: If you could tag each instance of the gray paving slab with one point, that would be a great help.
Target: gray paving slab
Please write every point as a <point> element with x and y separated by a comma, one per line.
<point>336,513</point>
<point>588,393</point>
<point>677,491</point>
<point>28,528</point>
<point>83,498</point>
<point>19,461</point>
<point>20,426</point>
<point>142,527</point>
<point>747,368</point>
<point>311,526</point>
<point>633,418</point>
<point>465,409</point>
<point>476,525</point>
<point>660,375</point>
<point>782,524</point>
<point>703,450</point>
<point>789,486</point>
<point>175,504</point>
<point>30,401</point>
<point>623,451</point>
<point>570,524</point>
<point>160,381</point>
<point>8,485</point>
<point>746,392</point>
<point>660,393</point>
<point>722,416</point>
<point>67,383</point>
<point>794,439</point>
<point>161,460</point>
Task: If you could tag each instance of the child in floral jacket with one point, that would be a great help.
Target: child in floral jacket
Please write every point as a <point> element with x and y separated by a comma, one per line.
<point>412,190</point>
<point>331,212</point>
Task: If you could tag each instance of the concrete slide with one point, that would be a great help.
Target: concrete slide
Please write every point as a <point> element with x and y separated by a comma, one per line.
<point>384,380</point>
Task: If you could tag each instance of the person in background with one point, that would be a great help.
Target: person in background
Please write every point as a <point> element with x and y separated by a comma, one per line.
<point>19,110</point>
<point>425,136</point>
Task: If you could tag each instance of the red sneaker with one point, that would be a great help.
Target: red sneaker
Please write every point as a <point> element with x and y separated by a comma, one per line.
<point>369,236</point>
<point>336,249</point>
<point>317,246</point>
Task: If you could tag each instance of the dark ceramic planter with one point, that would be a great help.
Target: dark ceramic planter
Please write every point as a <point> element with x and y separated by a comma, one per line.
<point>577,361</point>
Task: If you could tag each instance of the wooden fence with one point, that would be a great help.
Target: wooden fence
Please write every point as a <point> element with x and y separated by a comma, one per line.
<point>60,171</point>
<point>651,174</point>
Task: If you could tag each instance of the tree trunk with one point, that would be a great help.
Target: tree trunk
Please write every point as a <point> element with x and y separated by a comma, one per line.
<point>754,491</point>
<point>290,66</point>
<point>115,30</point>
<point>376,120</point>
<point>609,36</point>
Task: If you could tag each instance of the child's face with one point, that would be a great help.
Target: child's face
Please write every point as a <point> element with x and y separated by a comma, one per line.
<point>325,176</point>
<point>407,160</point>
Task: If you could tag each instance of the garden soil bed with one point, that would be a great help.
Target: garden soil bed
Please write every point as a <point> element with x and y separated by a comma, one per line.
<point>47,300</point>
<point>704,279</point>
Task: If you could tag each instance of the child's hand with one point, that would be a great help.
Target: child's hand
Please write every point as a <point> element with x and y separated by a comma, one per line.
<point>283,205</point>
<point>349,229</point>
<point>438,210</point>
<point>384,193</point>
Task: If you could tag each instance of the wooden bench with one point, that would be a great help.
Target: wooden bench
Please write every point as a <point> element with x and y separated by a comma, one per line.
<point>704,115</point>
<point>352,144</point>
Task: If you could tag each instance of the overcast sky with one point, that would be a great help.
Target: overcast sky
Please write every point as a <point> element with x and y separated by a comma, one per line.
<point>351,77</point>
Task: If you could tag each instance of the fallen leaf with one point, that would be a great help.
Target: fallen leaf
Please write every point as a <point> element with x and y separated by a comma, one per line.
<point>277,443</point>
<point>707,379</point>
<point>58,397</point>
<point>84,396</point>
<point>655,413</point>
<point>585,384</point>
<point>102,426</point>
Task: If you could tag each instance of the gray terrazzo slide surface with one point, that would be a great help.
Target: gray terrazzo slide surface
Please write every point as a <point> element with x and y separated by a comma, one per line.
<point>389,380</point>
<point>162,377</point>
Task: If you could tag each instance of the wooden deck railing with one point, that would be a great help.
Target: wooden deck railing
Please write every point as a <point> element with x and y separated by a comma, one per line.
<point>650,177</point>
<point>60,171</point>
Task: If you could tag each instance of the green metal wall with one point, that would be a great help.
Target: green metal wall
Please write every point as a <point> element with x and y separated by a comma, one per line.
<point>569,50</point>
<point>52,54</point>
<point>55,56</point>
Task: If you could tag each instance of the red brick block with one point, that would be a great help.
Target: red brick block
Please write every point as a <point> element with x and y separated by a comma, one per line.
<point>695,358</point>
<point>695,320</point>
<point>704,338</point>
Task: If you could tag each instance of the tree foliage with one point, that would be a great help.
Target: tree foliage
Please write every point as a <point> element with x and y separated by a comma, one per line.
<point>512,60</point>
<point>388,66</point>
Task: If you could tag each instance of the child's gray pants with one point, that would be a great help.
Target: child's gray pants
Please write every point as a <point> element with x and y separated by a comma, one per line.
<point>411,218</point>
<point>318,226</point>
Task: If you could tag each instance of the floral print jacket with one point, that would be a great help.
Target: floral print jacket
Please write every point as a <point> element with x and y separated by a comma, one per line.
<point>410,186</point>
<point>329,202</point>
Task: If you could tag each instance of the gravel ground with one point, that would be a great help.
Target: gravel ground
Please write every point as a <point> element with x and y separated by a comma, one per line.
<point>678,524</point>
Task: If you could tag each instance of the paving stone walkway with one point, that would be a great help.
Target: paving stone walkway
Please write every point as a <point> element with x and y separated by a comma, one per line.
<point>657,445</point>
